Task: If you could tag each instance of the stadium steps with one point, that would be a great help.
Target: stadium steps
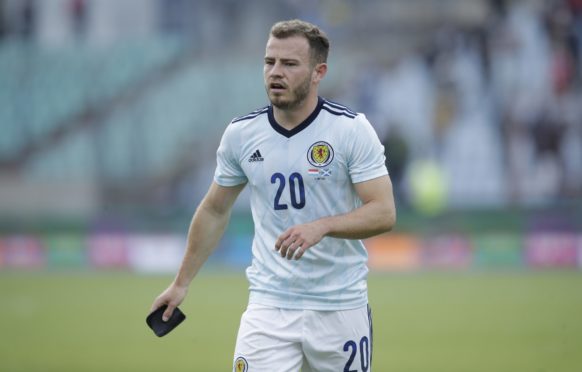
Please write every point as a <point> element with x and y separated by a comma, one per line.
<point>83,102</point>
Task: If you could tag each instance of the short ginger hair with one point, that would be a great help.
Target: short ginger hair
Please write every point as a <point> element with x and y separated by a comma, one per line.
<point>317,39</point>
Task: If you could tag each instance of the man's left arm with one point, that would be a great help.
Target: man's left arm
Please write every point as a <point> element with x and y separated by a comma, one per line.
<point>377,215</point>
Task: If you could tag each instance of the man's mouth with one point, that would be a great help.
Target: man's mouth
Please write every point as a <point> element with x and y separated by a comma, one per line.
<point>276,86</point>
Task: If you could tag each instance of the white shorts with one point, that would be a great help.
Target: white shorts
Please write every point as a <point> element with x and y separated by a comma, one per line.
<point>272,339</point>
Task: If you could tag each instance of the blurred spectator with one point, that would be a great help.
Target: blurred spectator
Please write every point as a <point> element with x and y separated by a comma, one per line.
<point>396,159</point>
<point>427,187</point>
<point>3,25</point>
<point>78,14</point>
<point>28,20</point>
<point>404,95</point>
<point>575,7</point>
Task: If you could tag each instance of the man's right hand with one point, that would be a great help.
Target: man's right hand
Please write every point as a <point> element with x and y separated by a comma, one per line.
<point>173,297</point>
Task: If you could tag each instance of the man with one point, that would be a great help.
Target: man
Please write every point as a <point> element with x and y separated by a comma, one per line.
<point>318,184</point>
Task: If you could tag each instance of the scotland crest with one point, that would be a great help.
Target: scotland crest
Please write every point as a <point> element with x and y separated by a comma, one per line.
<point>320,154</point>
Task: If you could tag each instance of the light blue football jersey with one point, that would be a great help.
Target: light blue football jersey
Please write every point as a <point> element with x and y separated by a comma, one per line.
<point>296,177</point>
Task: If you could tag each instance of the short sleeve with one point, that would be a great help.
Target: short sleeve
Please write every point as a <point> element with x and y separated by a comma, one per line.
<point>228,170</point>
<point>367,160</point>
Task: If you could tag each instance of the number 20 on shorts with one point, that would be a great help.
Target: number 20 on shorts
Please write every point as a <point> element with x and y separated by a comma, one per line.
<point>353,348</point>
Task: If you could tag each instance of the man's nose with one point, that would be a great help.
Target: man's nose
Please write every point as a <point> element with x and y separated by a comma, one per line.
<point>276,70</point>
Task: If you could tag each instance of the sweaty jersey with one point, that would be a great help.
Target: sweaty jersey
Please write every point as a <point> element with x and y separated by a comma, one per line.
<point>295,177</point>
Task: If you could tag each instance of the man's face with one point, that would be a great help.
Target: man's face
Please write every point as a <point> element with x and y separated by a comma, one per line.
<point>287,71</point>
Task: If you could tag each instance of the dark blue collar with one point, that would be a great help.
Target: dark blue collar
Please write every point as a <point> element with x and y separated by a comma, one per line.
<point>289,133</point>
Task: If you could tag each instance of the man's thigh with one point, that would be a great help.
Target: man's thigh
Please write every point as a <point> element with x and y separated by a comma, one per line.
<point>338,340</point>
<point>269,339</point>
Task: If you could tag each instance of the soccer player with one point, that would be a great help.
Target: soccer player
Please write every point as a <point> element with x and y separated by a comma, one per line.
<point>318,184</point>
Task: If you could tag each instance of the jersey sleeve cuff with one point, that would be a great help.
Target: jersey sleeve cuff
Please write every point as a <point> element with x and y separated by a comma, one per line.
<point>369,175</point>
<point>229,182</point>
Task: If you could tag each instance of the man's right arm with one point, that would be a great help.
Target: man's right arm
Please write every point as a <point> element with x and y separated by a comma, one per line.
<point>206,229</point>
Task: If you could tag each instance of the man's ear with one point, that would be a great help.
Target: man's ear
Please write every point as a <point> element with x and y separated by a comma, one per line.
<point>319,72</point>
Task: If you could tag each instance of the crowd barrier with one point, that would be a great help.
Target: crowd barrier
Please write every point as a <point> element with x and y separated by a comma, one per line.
<point>162,252</point>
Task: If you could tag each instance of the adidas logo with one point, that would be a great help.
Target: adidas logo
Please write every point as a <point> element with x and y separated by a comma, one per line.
<point>256,156</point>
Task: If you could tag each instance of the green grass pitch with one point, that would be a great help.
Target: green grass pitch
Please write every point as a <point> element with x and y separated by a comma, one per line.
<point>520,321</point>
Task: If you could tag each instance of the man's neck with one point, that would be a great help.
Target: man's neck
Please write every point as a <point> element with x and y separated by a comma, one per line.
<point>289,119</point>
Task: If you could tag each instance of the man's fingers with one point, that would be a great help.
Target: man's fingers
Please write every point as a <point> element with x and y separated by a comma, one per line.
<point>282,238</point>
<point>284,249</point>
<point>283,246</point>
<point>294,248</point>
<point>291,244</point>
<point>299,253</point>
<point>290,252</point>
<point>168,313</point>
<point>159,302</point>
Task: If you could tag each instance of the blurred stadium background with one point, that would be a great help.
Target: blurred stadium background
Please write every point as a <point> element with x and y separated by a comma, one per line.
<point>110,115</point>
